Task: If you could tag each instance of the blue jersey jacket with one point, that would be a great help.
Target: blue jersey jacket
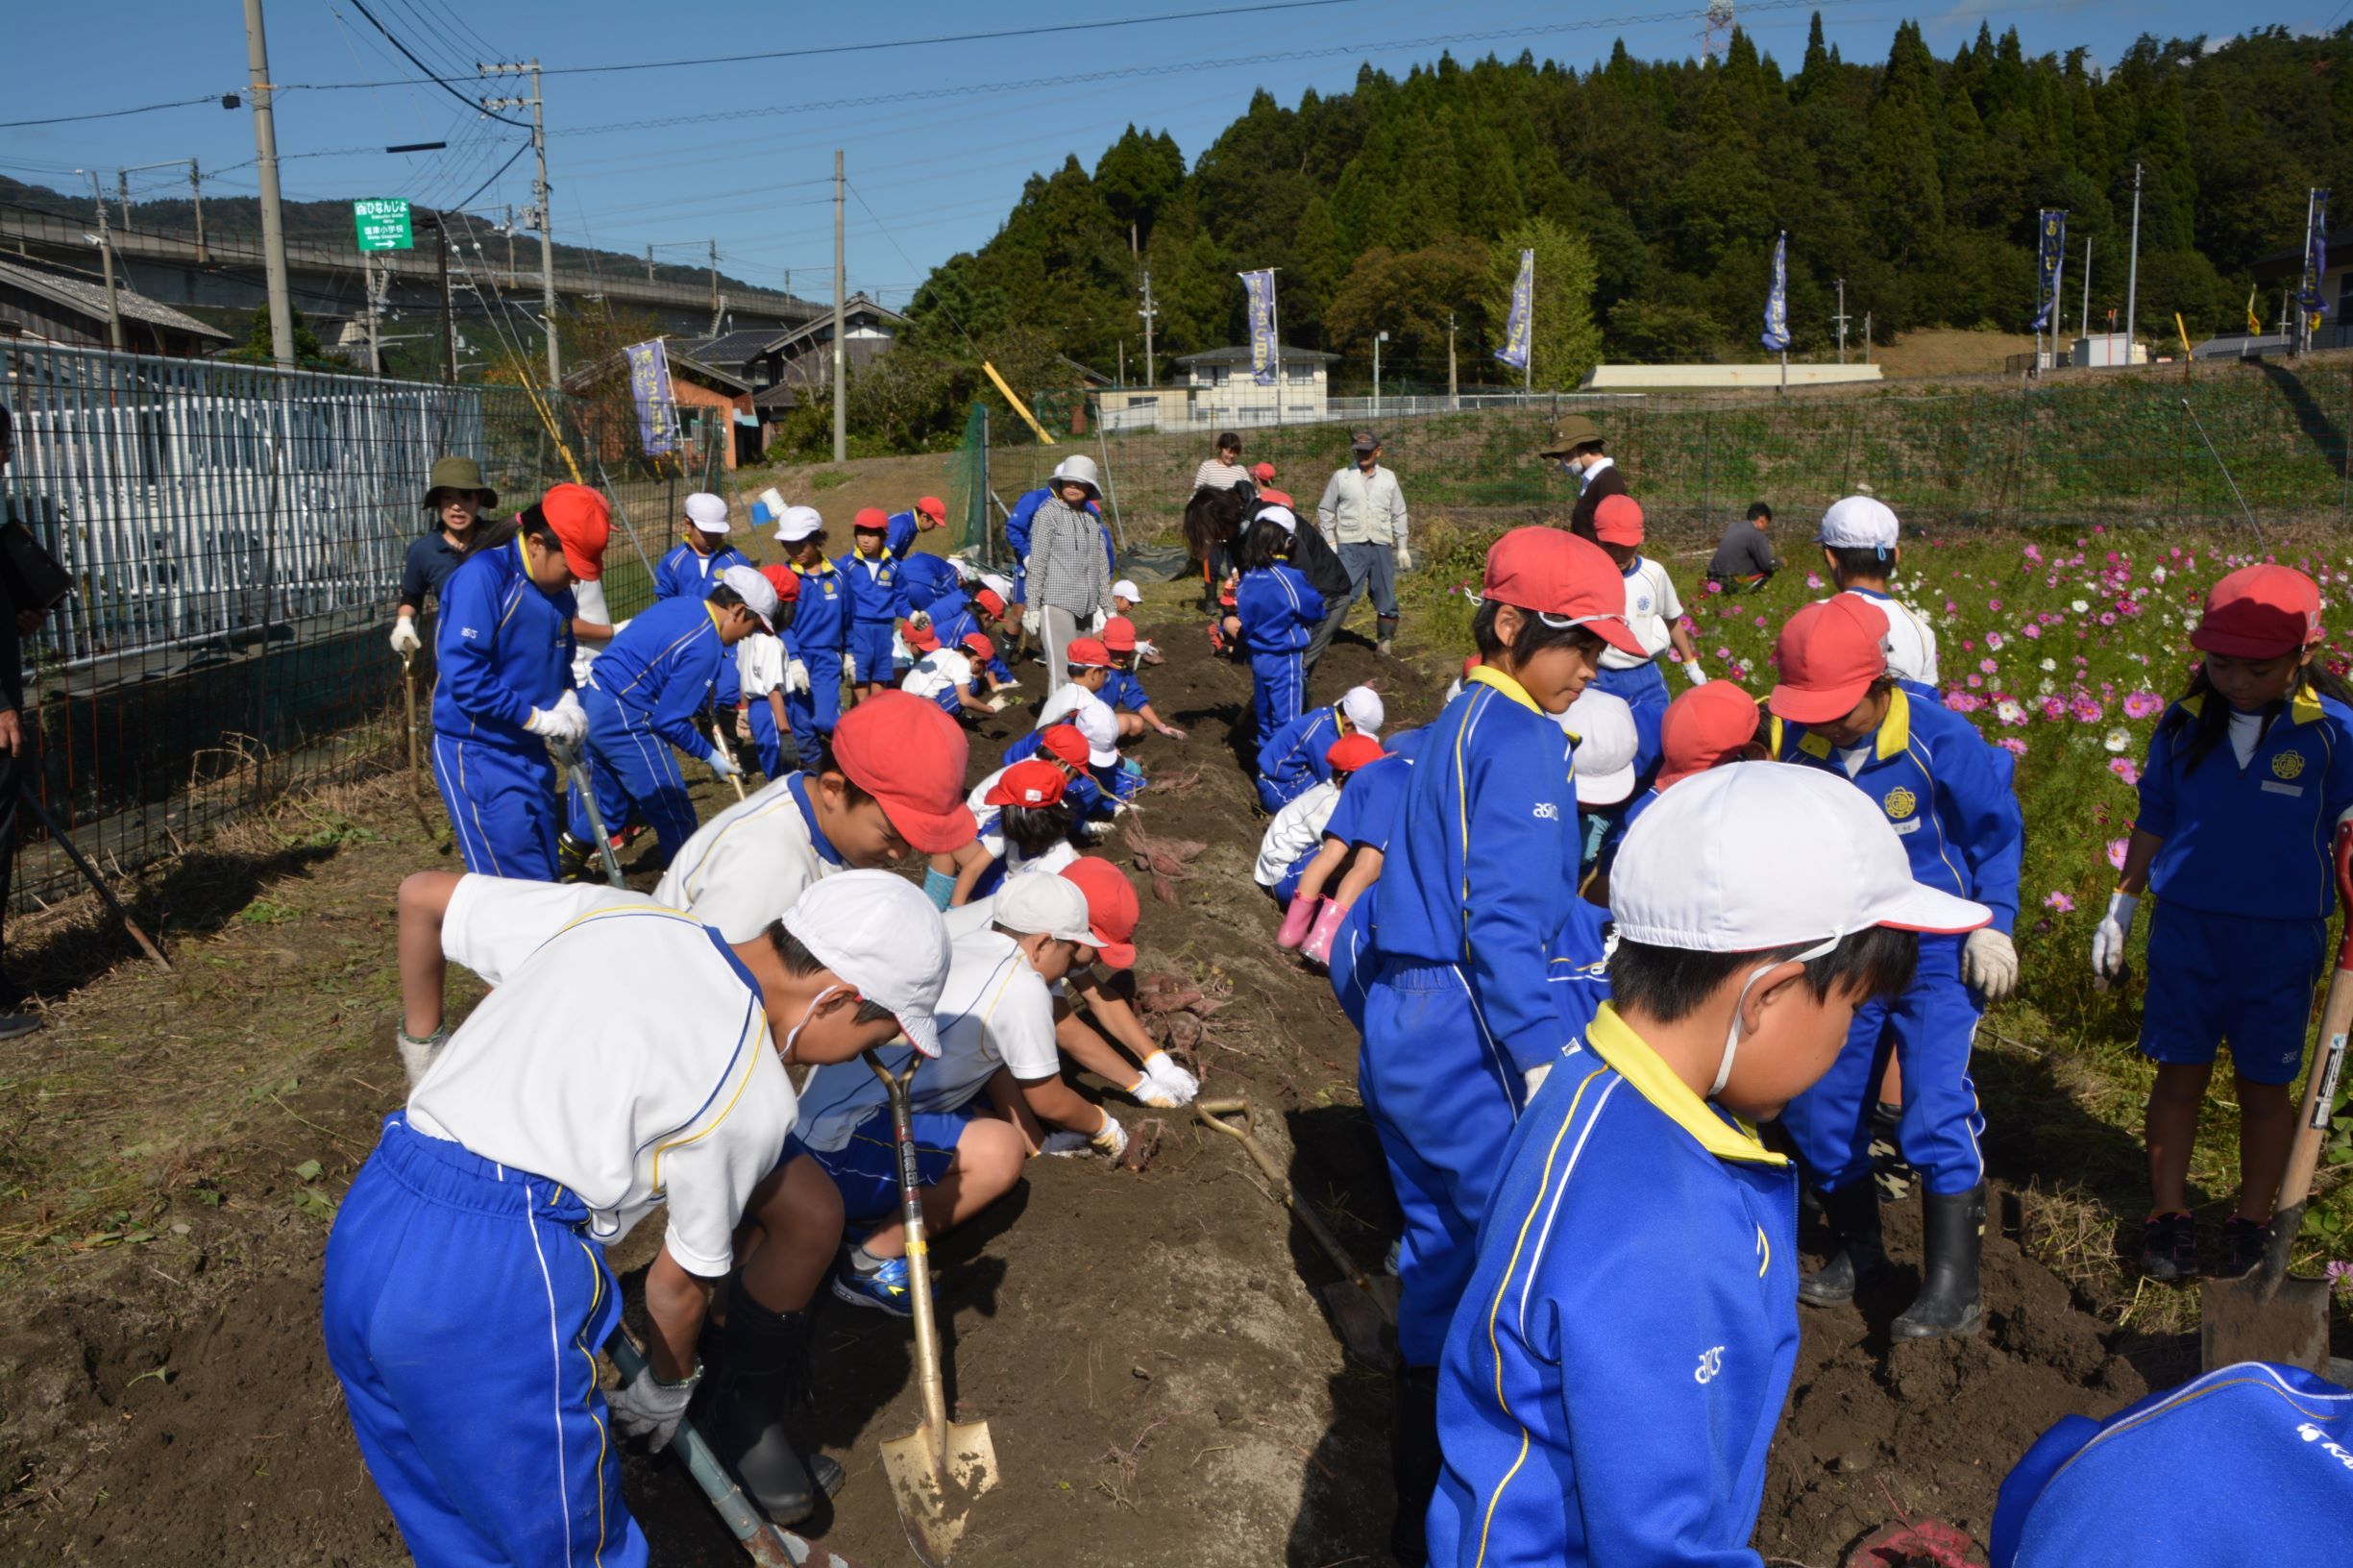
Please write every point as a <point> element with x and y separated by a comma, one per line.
<point>1611,1382</point>
<point>2176,1476</point>
<point>1368,808</point>
<point>504,647</point>
<point>1483,864</point>
<point>1279,609</point>
<point>1086,796</point>
<point>1124,692</point>
<point>1019,520</point>
<point>953,619</point>
<point>928,580</point>
<point>899,535</point>
<point>876,595</point>
<point>2251,841</point>
<point>657,670</point>
<point>820,614</point>
<point>1945,793</point>
<point>683,573</point>
<point>1293,757</point>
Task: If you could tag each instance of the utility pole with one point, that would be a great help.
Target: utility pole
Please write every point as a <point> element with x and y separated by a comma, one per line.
<point>538,216</point>
<point>449,326</point>
<point>1149,311</point>
<point>1379,338</point>
<point>2083,316</point>
<point>367,273</point>
<point>106,257</point>
<point>273,220</point>
<point>714,289</point>
<point>841,327</point>
<point>196,193</point>
<point>1842,321</point>
<point>1454,394</point>
<point>649,264</point>
<point>122,187</point>
<point>122,194</point>
<point>2132,274</point>
<point>2309,283</point>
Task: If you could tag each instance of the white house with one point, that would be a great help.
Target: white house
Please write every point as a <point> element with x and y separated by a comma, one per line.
<point>1223,392</point>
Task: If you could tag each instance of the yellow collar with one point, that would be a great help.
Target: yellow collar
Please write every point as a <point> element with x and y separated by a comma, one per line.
<point>2303,708</point>
<point>821,566</point>
<point>1614,1040</point>
<point>1488,675</point>
<point>712,610</point>
<point>1894,731</point>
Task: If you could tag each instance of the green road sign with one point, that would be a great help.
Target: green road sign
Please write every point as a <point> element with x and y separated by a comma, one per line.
<point>382,222</point>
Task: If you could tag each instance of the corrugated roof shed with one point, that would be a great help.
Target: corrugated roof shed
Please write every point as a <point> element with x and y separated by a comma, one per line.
<point>79,291</point>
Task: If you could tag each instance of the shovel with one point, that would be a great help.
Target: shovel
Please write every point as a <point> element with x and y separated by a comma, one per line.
<point>771,1546</point>
<point>941,1468</point>
<point>409,691</point>
<point>1365,1309</point>
<point>2268,1317</point>
<point>568,758</point>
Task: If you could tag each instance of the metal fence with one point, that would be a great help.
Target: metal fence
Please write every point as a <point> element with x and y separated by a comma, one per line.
<point>235,535</point>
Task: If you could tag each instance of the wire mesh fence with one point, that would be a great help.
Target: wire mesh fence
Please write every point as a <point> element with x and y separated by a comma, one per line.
<point>235,536</point>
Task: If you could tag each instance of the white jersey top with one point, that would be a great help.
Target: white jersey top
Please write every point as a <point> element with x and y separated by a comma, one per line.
<point>944,670</point>
<point>995,1013</point>
<point>744,867</point>
<point>495,923</point>
<point>665,1090</point>
<point>1652,609</point>
<point>1297,829</point>
<point>1064,700</point>
<point>1911,642</point>
<point>759,662</point>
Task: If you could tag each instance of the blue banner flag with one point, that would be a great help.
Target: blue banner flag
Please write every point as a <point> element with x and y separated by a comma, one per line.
<point>2047,265</point>
<point>1523,322</point>
<point>2316,258</point>
<point>1777,299</point>
<point>1260,286</point>
<point>657,409</point>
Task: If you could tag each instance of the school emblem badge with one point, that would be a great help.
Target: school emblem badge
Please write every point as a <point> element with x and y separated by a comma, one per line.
<point>1900,803</point>
<point>2288,765</point>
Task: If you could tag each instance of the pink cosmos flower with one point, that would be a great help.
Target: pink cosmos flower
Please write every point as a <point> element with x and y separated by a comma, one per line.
<point>2059,901</point>
<point>2012,745</point>
<point>1993,604</point>
<point>2053,708</point>
<point>2142,706</point>
<point>2086,710</point>
<point>2116,852</point>
<point>2032,629</point>
<point>2124,769</point>
<point>1988,666</point>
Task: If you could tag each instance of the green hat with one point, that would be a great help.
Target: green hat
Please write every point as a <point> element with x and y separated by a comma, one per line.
<point>1572,432</point>
<point>460,474</point>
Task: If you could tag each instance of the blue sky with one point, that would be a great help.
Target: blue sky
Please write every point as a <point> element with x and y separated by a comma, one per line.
<point>938,137</point>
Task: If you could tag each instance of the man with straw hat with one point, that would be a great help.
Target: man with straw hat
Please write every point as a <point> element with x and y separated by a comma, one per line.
<point>456,496</point>
<point>1576,445</point>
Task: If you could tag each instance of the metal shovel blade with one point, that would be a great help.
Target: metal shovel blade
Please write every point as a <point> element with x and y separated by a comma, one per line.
<point>934,1483</point>
<point>2239,1325</point>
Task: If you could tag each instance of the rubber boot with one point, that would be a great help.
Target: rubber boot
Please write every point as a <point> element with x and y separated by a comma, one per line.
<point>572,857</point>
<point>1947,1304</point>
<point>1385,631</point>
<point>763,1369</point>
<point>1413,1463</point>
<point>1854,1215</point>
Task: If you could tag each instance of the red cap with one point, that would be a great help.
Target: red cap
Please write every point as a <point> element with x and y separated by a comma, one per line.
<point>923,639</point>
<point>1087,654</point>
<point>1618,520</point>
<point>1119,634</point>
<point>785,581</point>
<point>1063,743</point>
<point>583,521</point>
<point>909,754</point>
<point>1263,472</point>
<point>1033,781</point>
<point>2260,612</point>
<point>1704,726</point>
<point>1351,752</point>
<point>1568,581</point>
<point>1112,908</point>
<point>989,599</point>
<point>982,649</point>
<point>1829,654</point>
<point>871,518</point>
<point>1278,497</point>
<point>933,507</point>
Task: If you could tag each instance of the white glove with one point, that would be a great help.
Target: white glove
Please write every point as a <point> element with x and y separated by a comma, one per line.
<point>1989,962</point>
<point>1691,667</point>
<point>417,1055</point>
<point>1162,1068</point>
<point>1062,1143</point>
<point>647,1407</point>
<point>1095,626</point>
<point>723,766</point>
<point>795,676</point>
<point>1111,1138</point>
<point>1147,648</point>
<point>405,639</point>
<point>562,725</point>
<point>2108,942</point>
<point>1033,622</point>
<point>1160,1093</point>
<point>1405,557</point>
<point>1534,1078</point>
<point>919,621</point>
<point>849,667</point>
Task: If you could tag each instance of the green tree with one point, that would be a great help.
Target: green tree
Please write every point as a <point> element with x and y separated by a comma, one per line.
<point>258,349</point>
<point>1564,342</point>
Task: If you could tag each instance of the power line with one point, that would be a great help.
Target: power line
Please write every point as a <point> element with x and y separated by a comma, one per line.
<point>114,114</point>
<point>360,6</point>
<point>521,148</point>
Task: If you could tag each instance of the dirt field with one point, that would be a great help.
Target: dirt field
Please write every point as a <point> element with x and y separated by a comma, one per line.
<point>1161,1380</point>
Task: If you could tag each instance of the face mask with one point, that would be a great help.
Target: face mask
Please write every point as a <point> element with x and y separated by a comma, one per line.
<point>793,1036</point>
<point>1731,1038</point>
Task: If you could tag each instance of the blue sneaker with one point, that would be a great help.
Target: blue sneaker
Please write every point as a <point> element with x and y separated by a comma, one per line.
<point>885,1290</point>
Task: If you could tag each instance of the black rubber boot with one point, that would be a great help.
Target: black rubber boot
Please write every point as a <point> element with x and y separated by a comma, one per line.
<point>763,1370</point>
<point>1947,1304</point>
<point>1413,1461</point>
<point>572,857</point>
<point>1385,630</point>
<point>1854,1215</point>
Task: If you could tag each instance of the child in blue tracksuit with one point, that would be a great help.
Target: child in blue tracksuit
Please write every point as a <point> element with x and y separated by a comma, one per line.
<point>1293,758</point>
<point>876,602</point>
<point>901,529</point>
<point>1654,613</point>
<point>821,632</point>
<point>928,579</point>
<point>692,567</point>
<point>2248,778</point>
<point>504,650</point>
<point>1473,895</point>
<point>643,694</point>
<point>1611,1382</point>
<point>957,616</point>
<point>1279,611</point>
<point>2178,1478</point>
<point>1946,795</point>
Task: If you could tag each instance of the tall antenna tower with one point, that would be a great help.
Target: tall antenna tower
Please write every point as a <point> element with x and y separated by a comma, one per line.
<point>1718,36</point>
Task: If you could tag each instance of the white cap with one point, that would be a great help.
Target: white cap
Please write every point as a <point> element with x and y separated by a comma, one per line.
<point>1100,726</point>
<point>798,523</point>
<point>758,594</point>
<point>1858,523</point>
<point>707,512</point>
<point>1756,855</point>
<point>1124,589</point>
<point>879,933</point>
<point>1603,727</point>
<point>1037,902</point>
<point>1281,516</point>
<point>1079,469</point>
<point>1363,707</point>
<point>998,584</point>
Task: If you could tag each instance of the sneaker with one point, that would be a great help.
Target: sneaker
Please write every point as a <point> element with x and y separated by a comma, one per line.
<point>2169,1248</point>
<point>885,1290</point>
<point>17,1025</point>
<point>2243,1244</point>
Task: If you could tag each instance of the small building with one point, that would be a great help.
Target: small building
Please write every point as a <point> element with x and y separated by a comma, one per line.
<point>707,397</point>
<point>779,364</point>
<point>1225,393</point>
<point>50,303</point>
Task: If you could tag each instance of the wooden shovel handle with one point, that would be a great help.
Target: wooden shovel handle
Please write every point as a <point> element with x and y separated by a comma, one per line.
<point>2319,1089</point>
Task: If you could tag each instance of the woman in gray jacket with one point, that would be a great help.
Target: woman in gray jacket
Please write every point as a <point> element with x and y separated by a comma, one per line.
<point>1070,580</point>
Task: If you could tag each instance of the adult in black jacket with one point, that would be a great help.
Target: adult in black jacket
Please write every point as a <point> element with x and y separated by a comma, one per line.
<point>14,624</point>
<point>1577,446</point>
<point>1316,561</point>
